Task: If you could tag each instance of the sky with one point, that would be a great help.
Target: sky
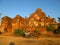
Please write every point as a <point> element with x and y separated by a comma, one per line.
<point>24,8</point>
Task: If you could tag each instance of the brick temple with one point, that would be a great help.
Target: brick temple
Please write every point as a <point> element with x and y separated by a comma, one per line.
<point>36,21</point>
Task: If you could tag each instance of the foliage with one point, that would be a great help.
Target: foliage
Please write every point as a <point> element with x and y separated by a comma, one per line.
<point>19,32</point>
<point>31,35</point>
<point>59,19</point>
<point>48,28</point>
<point>58,28</point>
<point>35,33</point>
<point>57,31</point>
<point>51,27</point>
<point>0,15</point>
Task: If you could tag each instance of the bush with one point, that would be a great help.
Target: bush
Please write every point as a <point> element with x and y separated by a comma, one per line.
<point>58,28</point>
<point>31,35</point>
<point>35,33</point>
<point>57,31</point>
<point>51,27</point>
<point>48,28</point>
<point>19,32</point>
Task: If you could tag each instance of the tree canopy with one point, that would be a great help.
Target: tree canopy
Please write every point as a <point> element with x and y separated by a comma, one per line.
<point>59,19</point>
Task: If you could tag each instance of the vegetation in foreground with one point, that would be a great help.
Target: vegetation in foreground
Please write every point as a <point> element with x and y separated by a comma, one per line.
<point>36,33</point>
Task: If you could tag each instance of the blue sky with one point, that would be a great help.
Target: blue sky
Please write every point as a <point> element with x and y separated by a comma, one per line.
<point>25,7</point>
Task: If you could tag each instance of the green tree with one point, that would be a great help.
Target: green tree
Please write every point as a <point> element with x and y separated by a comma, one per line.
<point>57,31</point>
<point>59,19</point>
<point>0,15</point>
<point>19,32</point>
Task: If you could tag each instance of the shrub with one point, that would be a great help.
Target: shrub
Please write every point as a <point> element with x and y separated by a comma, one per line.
<point>19,32</point>
<point>35,33</point>
<point>57,31</point>
<point>48,28</point>
<point>31,35</point>
<point>51,27</point>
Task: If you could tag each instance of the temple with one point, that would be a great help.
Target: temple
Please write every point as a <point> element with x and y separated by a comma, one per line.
<point>36,21</point>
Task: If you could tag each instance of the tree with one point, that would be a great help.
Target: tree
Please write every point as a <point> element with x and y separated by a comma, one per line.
<point>19,32</point>
<point>59,19</point>
<point>57,31</point>
<point>0,15</point>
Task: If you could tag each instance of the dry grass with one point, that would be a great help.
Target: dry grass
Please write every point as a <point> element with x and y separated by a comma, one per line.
<point>5,40</point>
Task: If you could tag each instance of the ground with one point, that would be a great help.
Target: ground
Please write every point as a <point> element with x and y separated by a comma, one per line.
<point>5,40</point>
